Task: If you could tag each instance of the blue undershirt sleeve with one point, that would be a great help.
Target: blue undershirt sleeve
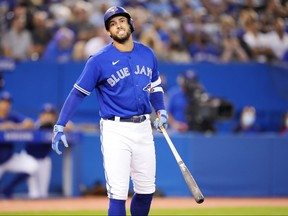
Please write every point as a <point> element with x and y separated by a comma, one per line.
<point>157,100</point>
<point>71,104</point>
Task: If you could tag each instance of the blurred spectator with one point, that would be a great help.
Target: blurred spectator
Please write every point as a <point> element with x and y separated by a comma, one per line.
<point>96,43</point>
<point>158,7</point>
<point>80,23</point>
<point>84,49</point>
<point>255,5</point>
<point>283,130</point>
<point>142,18</point>
<point>97,11</point>
<point>190,107</point>
<point>272,10</point>
<point>17,41</point>
<point>177,103</point>
<point>61,14</point>
<point>195,5</point>
<point>60,48</point>
<point>285,57</point>
<point>11,120</point>
<point>161,26</point>
<point>256,41</point>
<point>202,49</point>
<point>11,161</point>
<point>203,110</point>
<point>41,34</point>
<point>191,21</point>
<point>177,51</point>
<point>150,38</point>
<point>247,122</point>
<point>39,181</point>
<point>279,38</point>
<point>132,3</point>
<point>186,17</point>
<point>78,51</point>
<point>215,8</point>
<point>4,8</point>
<point>230,44</point>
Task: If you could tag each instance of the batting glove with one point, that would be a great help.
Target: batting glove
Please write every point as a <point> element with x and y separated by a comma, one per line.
<point>58,136</point>
<point>161,120</point>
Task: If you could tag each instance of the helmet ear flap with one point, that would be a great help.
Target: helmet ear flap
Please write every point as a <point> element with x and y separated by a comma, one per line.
<point>131,22</point>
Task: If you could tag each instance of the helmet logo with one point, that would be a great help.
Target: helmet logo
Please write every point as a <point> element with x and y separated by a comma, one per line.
<point>113,9</point>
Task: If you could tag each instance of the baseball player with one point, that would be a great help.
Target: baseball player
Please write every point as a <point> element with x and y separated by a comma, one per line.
<point>126,79</point>
<point>11,161</point>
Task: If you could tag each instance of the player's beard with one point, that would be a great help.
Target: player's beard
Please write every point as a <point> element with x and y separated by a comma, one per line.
<point>122,39</point>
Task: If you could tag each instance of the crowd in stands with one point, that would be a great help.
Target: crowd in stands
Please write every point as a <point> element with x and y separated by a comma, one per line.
<point>183,31</point>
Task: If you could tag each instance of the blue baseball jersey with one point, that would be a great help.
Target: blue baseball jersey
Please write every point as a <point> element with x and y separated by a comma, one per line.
<point>123,80</point>
<point>177,103</point>
<point>7,148</point>
<point>40,150</point>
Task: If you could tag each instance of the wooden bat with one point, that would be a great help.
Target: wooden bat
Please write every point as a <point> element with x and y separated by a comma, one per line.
<point>193,187</point>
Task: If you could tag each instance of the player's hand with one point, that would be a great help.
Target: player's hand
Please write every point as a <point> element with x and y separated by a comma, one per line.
<point>161,120</point>
<point>58,136</point>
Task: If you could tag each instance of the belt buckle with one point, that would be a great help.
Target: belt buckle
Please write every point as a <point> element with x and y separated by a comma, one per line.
<point>135,119</point>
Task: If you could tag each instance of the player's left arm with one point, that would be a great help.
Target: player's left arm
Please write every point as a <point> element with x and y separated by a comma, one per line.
<point>157,95</point>
<point>157,99</point>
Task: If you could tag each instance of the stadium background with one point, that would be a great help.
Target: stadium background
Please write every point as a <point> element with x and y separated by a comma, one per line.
<point>224,164</point>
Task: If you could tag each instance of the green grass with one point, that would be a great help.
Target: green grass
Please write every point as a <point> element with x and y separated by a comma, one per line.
<point>205,211</point>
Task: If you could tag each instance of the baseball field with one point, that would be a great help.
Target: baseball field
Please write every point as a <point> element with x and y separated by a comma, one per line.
<point>160,206</point>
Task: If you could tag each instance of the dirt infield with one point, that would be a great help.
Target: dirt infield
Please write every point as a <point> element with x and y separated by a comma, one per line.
<point>94,203</point>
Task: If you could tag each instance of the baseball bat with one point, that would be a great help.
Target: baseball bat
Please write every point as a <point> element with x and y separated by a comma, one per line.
<point>190,181</point>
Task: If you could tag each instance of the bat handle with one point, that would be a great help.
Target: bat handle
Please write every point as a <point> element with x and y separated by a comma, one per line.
<point>170,143</point>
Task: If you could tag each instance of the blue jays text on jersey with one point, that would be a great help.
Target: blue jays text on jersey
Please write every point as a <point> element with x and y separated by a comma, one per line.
<point>124,72</point>
<point>121,76</point>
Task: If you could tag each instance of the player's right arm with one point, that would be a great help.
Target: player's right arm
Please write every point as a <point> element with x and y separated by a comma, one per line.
<point>82,88</point>
<point>70,106</point>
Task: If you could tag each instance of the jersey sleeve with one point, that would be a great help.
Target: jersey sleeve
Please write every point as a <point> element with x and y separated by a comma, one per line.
<point>83,87</point>
<point>157,93</point>
<point>89,77</point>
<point>70,106</point>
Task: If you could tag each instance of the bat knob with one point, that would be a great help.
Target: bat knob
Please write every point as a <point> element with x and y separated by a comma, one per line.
<point>200,200</point>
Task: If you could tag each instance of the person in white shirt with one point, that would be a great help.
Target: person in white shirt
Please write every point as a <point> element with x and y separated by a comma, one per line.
<point>279,38</point>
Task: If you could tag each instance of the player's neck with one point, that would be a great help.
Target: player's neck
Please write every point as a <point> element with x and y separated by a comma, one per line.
<point>124,47</point>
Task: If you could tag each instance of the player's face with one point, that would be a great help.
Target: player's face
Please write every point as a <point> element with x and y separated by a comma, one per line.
<point>47,117</point>
<point>119,29</point>
<point>5,107</point>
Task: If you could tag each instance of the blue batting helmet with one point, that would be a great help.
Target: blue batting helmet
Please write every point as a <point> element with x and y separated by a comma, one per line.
<point>6,96</point>
<point>117,11</point>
